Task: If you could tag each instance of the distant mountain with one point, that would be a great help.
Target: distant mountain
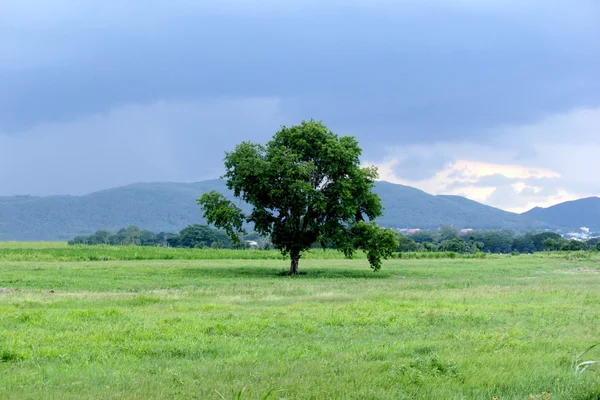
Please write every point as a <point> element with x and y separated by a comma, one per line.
<point>153,206</point>
<point>171,206</point>
<point>571,214</point>
<point>407,207</point>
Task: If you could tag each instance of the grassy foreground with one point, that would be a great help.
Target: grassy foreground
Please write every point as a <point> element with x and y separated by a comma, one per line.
<point>58,251</point>
<point>505,327</point>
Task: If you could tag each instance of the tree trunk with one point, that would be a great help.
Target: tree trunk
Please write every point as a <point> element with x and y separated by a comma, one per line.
<point>295,257</point>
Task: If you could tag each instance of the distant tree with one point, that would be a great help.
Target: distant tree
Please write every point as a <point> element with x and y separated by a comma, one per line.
<point>163,237</point>
<point>456,245</point>
<point>574,245</point>
<point>428,246</point>
<point>448,233</point>
<point>92,240</point>
<point>133,234</point>
<point>476,247</point>
<point>497,241</point>
<point>115,239</point>
<point>598,246</point>
<point>201,236</point>
<point>173,241</point>
<point>78,240</point>
<point>551,244</point>
<point>130,235</point>
<point>425,237</point>
<point>524,244</point>
<point>147,238</point>
<point>305,186</point>
<point>406,244</point>
<point>102,237</point>
<point>539,239</point>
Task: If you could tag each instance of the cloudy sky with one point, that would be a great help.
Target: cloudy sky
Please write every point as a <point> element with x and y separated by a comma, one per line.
<point>496,100</point>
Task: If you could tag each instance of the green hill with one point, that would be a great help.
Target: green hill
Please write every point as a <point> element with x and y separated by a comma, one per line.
<point>171,206</point>
<point>407,207</point>
<point>570,214</point>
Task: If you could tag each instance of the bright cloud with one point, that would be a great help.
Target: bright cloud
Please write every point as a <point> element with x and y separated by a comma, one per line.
<point>459,177</point>
<point>562,157</point>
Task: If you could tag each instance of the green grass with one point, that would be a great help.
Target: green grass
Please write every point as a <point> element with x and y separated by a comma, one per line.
<point>33,245</point>
<point>39,251</point>
<point>125,253</point>
<point>506,327</point>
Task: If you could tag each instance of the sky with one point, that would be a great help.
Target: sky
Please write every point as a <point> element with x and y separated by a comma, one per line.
<point>495,100</point>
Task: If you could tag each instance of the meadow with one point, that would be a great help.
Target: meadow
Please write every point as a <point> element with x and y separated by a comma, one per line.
<point>56,251</point>
<point>211,324</point>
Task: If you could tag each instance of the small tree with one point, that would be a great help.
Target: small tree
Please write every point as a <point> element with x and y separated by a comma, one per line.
<point>447,232</point>
<point>200,236</point>
<point>406,244</point>
<point>456,245</point>
<point>551,244</point>
<point>477,247</point>
<point>305,186</point>
<point>574,245</point>
<point>540,238</point>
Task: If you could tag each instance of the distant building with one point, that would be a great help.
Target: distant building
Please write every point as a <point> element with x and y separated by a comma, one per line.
<point>252,243</point>
<point>583,234</point>
<point>466,230</point>
<point>408,231</point>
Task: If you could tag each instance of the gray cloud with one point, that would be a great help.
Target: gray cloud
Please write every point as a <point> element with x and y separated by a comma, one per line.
<point>168,86</point>
<point>182,141</point>
<point>421,166</point>
<point>443,70</point>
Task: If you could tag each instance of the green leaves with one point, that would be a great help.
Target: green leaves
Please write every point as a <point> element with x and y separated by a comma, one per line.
<point>305,185</point>
<point>379,243</point>
<point>579,367</point>
<point>223,214</point>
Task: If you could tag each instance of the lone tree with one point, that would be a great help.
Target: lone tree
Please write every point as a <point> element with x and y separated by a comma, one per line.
<point>305,186</point>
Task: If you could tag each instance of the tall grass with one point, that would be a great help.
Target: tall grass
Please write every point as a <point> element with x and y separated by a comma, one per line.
<point>60,251</point>
<point>438,255</point>
<point>123,253</point>
<point>33,245</point>
<point>38,252</point>
<point>502,327</point>
<point>579,366</point>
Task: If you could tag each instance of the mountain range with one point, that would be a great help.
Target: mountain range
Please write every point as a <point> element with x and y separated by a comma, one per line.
<point>169,207</point>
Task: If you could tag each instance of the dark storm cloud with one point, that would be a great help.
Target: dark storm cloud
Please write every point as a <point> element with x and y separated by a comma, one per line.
<point>434,67</point>
<point>183,141</point>
<point>415,72</point>
<point>421,166</point>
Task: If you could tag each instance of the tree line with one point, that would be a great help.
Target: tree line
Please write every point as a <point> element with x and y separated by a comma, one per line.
<point>500,242</point>
<point>446,239</point>
<point>193,236</point>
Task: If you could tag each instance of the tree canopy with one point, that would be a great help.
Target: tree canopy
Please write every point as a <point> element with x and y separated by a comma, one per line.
<point>499,242</point>
<point>192,236</point>
<point>304,186</point>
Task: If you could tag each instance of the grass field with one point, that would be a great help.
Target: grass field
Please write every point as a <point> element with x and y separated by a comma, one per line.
<point>504,327</point>
<point>33,245</point>
<point>56,251</point>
